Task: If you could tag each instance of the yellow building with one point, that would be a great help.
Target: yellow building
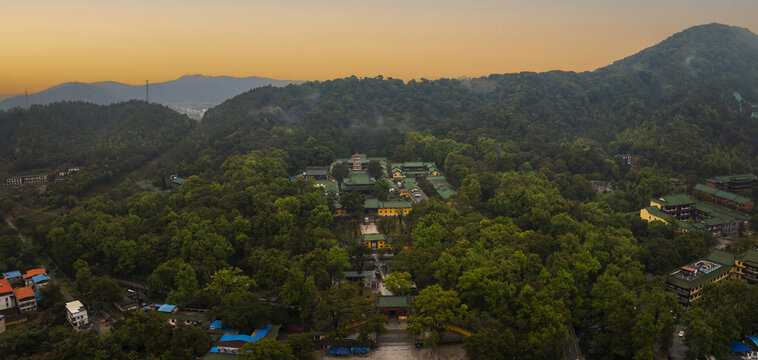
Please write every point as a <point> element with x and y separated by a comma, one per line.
<point>652,213</point>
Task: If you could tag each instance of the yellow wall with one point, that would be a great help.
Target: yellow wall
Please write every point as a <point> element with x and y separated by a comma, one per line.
<point>397,175</point>
<point>654,203</point>
<point>435,173</point>
<point>645,215</point>
<point>340,212</point>
<point>394,211</point>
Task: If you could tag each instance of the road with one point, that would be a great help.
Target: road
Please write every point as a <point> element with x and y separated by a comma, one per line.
<point>678,349</point>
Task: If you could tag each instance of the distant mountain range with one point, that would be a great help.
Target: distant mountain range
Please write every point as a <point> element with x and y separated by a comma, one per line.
<point>190,94</point>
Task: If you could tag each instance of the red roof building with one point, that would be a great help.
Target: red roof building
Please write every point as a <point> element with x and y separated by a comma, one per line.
<point>5,286</point>
<point>33,272</point>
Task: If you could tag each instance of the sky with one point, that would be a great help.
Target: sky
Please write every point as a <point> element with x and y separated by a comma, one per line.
<point>48,42</point>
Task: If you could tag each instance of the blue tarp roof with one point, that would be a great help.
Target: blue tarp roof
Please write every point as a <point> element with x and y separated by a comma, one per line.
<point>737,346</point>
<point>248,338</point>
<point>754,339</point>
<point>231,331</point>
<point>38,295</point>
<point>12,274</point>
<point>334,350</point>
<point>167,308</point>
<point>217,324</point>
<point>361,350</point>
<point>40,278</point>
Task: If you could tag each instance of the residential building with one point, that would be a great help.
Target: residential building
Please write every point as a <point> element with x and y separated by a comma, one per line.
<point>7,298</point>
<point>14,278</point>
<point>76,315</point>
<point>687,281</point>
<point>36,278</point>
<point>316,172</point>
<point>26,300</point>
<point>679,206</point>
<point>733,183</point>
<point>726,198</point>
<point>26,179</point>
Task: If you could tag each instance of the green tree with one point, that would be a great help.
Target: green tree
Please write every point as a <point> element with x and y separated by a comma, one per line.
<point>339,307</point>
<point>229,281</point>
<point>299,291</point>
<point>399,283</point>
<point>375,169</point>
<point>435,310</point>
<point>382,190</point>
<point>266,349</point>
<point>339,172</point>
<point>337,262</point>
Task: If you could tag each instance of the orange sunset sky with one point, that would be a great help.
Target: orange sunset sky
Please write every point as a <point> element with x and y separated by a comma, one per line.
<point>47,42</point>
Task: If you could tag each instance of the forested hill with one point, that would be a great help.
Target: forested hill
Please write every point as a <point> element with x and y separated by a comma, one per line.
<point>113,138</point>
<point>676,104</point>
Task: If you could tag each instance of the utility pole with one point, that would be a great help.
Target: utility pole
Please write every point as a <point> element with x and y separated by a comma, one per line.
<point>147,92</point>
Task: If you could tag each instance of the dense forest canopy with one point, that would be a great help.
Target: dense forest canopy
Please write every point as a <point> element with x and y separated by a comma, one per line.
<point>528,248</point>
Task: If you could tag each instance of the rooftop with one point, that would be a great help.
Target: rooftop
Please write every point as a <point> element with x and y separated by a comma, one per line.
<point>721,257</point>
<point>674,200</point>
<point>392,301</point>
<point>723,194</point>
<point>714,209</point>
<point>38,279</point>
<point>165,308</point>
<point>696,274</point>
<point>12,274</point>
<point>74,306</point>
<point>5,286</point>
<point>374,237</point>
<point>24,293</point>
<point>33,272</point>
<point>731,178</point>
<point>657,212</point>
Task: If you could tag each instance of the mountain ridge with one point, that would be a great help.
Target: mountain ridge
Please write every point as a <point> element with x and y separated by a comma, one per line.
<point>189,94</point>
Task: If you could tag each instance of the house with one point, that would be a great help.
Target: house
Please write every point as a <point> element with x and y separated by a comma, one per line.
<point>14,278</point>
<point>366,278</point>
<point>688,281</point>
<point>679,206</point>
<point>7,297</point>
<point>129,302</point>
<point>741,350</point>
<point>733,183</point>
<point>194,317</point>
<point>26,300</point>
<point>316,172</point>
<point>726,198</point>
<point>376,241</point>
<point>76,315</point>
<point>174,181</point>
<point>392,306</point>
<point>26,179</point>
<point>231,342</point>
<point>36,278</point>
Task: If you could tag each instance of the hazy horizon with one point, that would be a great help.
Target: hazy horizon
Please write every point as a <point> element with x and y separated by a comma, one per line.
<point>90,41</point>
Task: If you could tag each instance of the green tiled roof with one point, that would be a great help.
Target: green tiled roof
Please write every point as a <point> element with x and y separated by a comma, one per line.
<point>729,178</point>
<point>359,178</point>
<point>395,204</point>
<point>657,212</point>
<point>392,301</point>
<point>723,194</point>
<point>700,280</point>
<point>721,257</point>
<point>445,192</point>
<point>718,220</point>
<point>750,257</point>
<point>371,203</point>
<point>674,200</point>
<point>714,209</point>
<point>374,237</point>
<point>331,187</point>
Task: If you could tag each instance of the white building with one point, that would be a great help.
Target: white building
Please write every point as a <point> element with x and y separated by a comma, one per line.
<point>77,315</point>
<point>7,298</point>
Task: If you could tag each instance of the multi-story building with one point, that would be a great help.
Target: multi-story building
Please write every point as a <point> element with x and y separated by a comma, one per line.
<point>76,315</point>
<point>26,300</point>
<point>733,183</point>
<point>679,206</point>
<point>7,298</point>
<point>726,198</point>
<point>26,179</point>
<point>687,281</point>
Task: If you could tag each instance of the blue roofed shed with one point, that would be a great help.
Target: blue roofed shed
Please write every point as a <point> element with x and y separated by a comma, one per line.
<point>339,351</point>
<point>12,275</point>
<point>40,279</point>
<point>754,339</point>
<point>738,346</point>
<point>217,325</point>
<point>167,308</point>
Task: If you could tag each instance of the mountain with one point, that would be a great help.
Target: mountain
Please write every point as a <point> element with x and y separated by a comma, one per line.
<point>686,104</point>
<point>190,94</point>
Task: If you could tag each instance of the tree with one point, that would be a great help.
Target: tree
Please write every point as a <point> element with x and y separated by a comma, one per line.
<point>375,169</point>
<point>399,283</point>
<point>381,190</point>
<point>337,262</point>
<point>266,349</point>
<point>340,172</point>
<point>374,325</point>
<point>299,291</point>
<point>229,281</point>
<point>353,204</point>
<point>185,285</point>
<point>435,310</point>
<point>302,346</point>
<point>340,306</point>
